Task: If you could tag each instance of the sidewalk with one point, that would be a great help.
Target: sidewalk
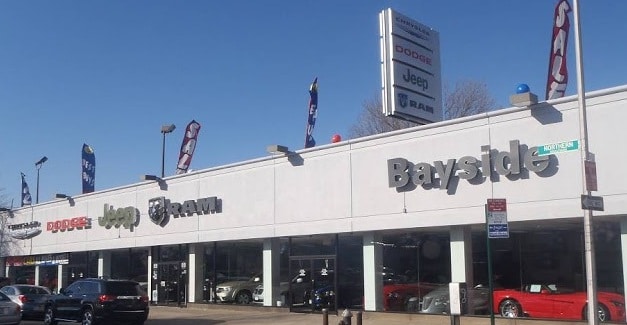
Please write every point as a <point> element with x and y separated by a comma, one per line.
<point>238,315</point>
<point>246,315</point>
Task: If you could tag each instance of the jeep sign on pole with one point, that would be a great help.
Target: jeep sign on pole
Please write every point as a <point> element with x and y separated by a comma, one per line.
<point>410,69</point>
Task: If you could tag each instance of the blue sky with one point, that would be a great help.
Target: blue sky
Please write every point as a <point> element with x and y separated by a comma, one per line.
<point>110,73</point>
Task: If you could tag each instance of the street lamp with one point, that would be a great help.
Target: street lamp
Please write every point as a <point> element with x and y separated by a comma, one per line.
<point>38,165</point>
<point>165,129</point>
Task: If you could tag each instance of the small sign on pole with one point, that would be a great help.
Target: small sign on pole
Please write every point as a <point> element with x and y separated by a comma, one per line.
<point>496,217</point>
<point>591,175</point>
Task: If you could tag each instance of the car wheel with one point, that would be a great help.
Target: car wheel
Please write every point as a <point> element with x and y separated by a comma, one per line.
<point>244,298</point>
<point>510,308</point>
<point>88,317</point>
<point>49,317</point>
<point>602,313</point>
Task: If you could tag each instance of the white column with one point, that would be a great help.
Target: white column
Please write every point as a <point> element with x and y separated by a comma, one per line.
<point>623,249</point>
<point>37,275</point>
<point>373,268</point>
<point>271,269</point>
<point>195,272</point>
<point>104,264</point>
<point>461,255</point>
<point>60,283</point>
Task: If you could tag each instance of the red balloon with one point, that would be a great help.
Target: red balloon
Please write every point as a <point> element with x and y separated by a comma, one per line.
<point>336,138</point>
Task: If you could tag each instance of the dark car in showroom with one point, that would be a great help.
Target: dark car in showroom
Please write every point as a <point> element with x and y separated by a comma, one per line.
<point>93,301</point>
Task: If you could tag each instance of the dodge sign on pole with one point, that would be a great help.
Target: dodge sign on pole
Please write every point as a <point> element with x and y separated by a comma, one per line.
<point>410,69</point>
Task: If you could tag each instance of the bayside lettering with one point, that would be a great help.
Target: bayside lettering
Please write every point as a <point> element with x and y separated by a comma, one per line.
<point>504,163</point>
<point>201,206</point>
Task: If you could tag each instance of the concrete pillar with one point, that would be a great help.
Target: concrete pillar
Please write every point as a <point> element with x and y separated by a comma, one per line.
<point>373,268</point>
<point>152,272</point>
<point>623,250</point>
<point>271,271</point>
<point>195,272</point>
<point>60,283</point>
<point>37,275</point>
<point>461,262</point>
<point>104,264</point>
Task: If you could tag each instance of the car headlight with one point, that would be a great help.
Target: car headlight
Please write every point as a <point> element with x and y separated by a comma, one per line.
<point>226,289</point>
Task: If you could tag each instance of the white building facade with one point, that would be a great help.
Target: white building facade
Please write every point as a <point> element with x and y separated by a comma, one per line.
<point>363,216</point>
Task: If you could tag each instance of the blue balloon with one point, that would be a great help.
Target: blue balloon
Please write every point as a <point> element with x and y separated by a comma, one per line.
<point>522,88</point>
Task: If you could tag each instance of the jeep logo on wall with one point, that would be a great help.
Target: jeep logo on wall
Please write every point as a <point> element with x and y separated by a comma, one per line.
<point>160,208</point>
<point>125,217</point>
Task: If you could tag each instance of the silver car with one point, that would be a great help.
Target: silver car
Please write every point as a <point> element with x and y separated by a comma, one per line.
<point>11,312</point>
<point>438,301</point>
<point>30,298</point>
<point>240,292</point>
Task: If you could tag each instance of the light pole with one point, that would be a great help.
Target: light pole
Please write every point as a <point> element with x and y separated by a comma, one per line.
<point>38,165</point>
<point>165,129</point>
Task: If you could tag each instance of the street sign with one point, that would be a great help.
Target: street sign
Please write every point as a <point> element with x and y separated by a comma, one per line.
<point>496,218</point>
<point>552,148</point>
<point>590,168</point>
<point>589,202</point>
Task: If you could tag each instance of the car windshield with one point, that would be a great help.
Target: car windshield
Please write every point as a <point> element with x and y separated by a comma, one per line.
<point>33,290</point>
<point>123,288</point>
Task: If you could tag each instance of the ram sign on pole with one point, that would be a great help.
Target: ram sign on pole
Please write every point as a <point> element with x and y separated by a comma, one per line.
<point>410,69</point>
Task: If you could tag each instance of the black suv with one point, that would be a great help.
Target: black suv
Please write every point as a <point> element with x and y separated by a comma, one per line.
<point>93,301</point>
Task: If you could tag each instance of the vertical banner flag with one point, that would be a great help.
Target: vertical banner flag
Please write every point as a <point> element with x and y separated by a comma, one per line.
<point>26,198</point>
<point>89,168</point>
<point>313,112</point>
<point>558,72</point>
<point>187,147</point>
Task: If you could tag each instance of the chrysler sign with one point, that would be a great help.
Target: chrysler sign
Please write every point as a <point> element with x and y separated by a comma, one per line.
<point>440,173</point>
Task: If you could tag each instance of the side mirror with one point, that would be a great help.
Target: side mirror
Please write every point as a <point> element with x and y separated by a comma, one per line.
<point>62,291</point>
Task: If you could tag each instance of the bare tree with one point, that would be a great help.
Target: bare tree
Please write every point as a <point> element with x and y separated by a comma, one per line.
<point>468,97</point>
<point>373,121</point>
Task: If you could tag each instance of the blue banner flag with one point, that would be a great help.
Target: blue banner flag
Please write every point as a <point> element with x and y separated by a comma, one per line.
<point>313,112</point>
<point>26,198</point>
<point>89,168</point>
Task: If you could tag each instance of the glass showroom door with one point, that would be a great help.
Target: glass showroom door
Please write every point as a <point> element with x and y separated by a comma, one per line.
<point>312,284</point>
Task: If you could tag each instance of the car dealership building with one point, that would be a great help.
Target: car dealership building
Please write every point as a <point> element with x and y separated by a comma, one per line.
<point>396,209</point>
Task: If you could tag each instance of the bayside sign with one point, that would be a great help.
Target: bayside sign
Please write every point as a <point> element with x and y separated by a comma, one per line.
<point>505,163</point>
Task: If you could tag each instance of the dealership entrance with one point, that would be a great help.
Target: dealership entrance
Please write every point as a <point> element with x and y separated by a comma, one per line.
<point>170,283</point>
<point>313,282</point>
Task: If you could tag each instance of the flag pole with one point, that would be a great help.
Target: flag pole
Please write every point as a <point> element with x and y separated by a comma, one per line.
<point>591,285</point>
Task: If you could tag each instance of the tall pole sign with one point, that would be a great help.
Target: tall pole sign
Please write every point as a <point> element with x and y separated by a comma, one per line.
<point>496,218</point>
<point>496,227</point>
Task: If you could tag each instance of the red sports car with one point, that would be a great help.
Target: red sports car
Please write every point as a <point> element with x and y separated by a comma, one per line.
<point>546,301</point>
<point>397,295</point>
